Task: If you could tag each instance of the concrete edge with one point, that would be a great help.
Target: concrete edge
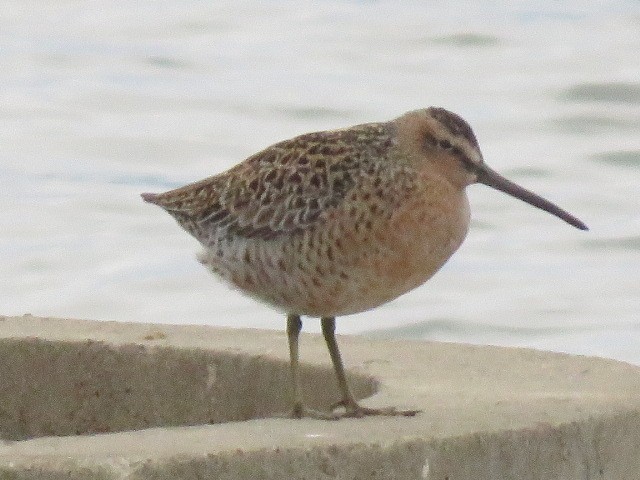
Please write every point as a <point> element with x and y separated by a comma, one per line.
<point>488,412</point>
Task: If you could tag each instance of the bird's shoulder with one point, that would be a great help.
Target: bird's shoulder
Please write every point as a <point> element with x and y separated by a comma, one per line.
<point>295,183</point>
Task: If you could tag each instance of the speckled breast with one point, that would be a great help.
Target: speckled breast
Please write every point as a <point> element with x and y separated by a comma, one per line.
<point>350,262</point>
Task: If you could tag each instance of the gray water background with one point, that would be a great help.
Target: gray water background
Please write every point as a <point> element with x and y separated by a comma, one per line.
<point>100,101</point>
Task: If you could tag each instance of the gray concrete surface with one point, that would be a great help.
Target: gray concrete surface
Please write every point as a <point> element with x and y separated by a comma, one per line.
<point>107,400</point>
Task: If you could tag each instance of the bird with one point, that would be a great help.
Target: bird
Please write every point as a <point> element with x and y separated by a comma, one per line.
<point>338,222</point>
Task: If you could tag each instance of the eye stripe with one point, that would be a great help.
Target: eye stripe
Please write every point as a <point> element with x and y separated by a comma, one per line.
<point>456,150</point>
<point>468,164</point>
<point>464,159</point>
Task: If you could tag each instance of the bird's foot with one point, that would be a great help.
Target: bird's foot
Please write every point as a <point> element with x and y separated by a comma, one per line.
<point>353,409</point>
<point>300,411</point>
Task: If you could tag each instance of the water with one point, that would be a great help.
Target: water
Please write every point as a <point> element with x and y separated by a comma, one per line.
<point>101,101</point>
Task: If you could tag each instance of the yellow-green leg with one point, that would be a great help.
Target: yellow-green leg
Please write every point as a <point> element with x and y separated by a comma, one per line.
<point>294,325</point>
<point>351,406</point>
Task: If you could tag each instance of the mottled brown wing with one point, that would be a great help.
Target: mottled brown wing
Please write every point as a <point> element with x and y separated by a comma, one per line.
<point>290,186</point>
<point>285,188</point>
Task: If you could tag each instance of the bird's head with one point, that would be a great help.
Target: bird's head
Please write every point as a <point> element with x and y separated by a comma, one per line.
<point>445,144</point>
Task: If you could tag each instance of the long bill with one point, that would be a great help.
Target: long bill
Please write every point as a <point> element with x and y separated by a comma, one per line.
<point>493,179</point>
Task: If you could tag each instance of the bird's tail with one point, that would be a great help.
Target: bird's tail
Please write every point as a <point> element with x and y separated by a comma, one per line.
<point>150,197</point>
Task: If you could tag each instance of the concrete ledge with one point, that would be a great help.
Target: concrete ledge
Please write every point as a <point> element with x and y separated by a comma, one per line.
<point>105,400</point>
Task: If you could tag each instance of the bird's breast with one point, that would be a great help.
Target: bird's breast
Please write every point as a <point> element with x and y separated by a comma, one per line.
<point>422,235</point>
<point>350,263</point>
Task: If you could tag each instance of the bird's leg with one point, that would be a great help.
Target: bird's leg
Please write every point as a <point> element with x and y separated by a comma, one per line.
<point>328,331</point>
<point>294,325</point>
<point>351,406</point>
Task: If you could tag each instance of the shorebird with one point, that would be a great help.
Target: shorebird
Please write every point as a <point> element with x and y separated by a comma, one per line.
<point>338,222</point>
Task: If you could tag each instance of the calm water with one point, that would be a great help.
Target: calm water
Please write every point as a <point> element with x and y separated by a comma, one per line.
<point>102,100</point>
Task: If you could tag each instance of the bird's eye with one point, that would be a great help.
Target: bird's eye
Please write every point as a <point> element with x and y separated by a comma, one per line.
<point>430,140</point>
<point>446,144</point>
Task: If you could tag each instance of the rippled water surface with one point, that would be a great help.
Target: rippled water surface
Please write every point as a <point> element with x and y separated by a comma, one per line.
<point>100,101</point>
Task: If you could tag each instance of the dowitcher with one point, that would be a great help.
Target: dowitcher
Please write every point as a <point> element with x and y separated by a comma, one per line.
<point>338,222</point>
